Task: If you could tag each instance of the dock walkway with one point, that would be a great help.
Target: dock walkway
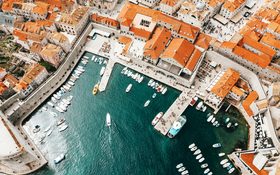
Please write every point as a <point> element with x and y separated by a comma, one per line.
<point>174,111</point>
<point>106,76</point>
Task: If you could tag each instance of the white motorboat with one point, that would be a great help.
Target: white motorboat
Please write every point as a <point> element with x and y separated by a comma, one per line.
<point>108,120</point>
<point>198,156</point>
<point>191,145</point>
<point>154,95</point>
<point>179,165</point>
<point>215,123</point>
<point>204,108</point>
<point>201,159</point>
<point>210,118</point>
<point>60,121</point>
<point>213,120</point>
<point>157,118</point>
<point>227,120</point>
<point>59,109</point>
<point>199,106</point>
<point>198,151</point>
<point>62,127</point>
<point>123,70</point>
<point>231,170</point>
<point>194,148</point>
<point>59,158</point>
<point>129,73</point>
<point>49,132</point>
<point>224,161</point>
<point>229,125</point>
<point>185,172</point>
<point>150,82</point>
<point>164,90</point>
<point>226,165</point>
<point>221,154</point>
<point>141,79</point>
<point>153,84</point>
<point>53,113</point>
<point>206,171</point>
<point>48,128</point>
<point>44,108</point>
<point>128,88</point>
<point>147,103</point>
<point>210,173</point>
<point>50,104</point>
<point>181,169</point>
<point>217,145</point>
<point>205,165</point>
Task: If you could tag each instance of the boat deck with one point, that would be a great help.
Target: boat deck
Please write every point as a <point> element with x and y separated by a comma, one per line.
<point>174,111</point>
<point>106,76</point>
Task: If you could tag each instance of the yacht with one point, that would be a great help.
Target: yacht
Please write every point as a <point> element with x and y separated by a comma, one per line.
<point>59,158</point>
<point>221,154</point>
<point>164,91</point>
<point>194,100</point>
<point>210,118</point>
<point>206,171</point>
<point>95,89</point>
<point>154,95</point>
<point>108,119</point>
<point>198,151</point>
<point>231,170</point>
<point>194,148</point>
<point>217,145</point>
<point>205,165</point>
<point>191,145</point>
<point>63,127</point>
<point>60,121</point>
<point>177,126</point>
<point>128,88</point>
<point>200,104</point>
<point>198,156</point>
<point>181,169</point>
<point>179,165</point>
<point>224,161</point>
<point>185,172</point>
<point>201,159</point>
<point>147,103</point>
<point>157,118</point>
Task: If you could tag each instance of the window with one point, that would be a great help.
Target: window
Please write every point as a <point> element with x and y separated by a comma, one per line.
<point>145,23</point>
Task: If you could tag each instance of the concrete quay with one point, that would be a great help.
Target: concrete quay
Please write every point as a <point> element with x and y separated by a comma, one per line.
<point>174,111</point>
<point>106,76</point>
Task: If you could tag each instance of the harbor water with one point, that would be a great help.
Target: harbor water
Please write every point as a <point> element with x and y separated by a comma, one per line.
<point>130,146</point>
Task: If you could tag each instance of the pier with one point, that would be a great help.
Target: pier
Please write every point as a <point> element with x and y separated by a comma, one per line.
<point>106,76</point>
<point>175,110</point>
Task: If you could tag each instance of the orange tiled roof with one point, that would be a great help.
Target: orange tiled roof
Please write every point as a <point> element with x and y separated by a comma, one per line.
<point>236,90</point>
<point>11,79</point>
<point>225,83</point>
<point>34,71</point>
<point>203,41</point>
<point>171,3</point>
<point>255,23</point>
<point>104,20</point>
<point>267,14</point>
<point>126,41</point>
<point>258,46</point>
<point>271,40</point>
<point>193,60</point>
<point>233,5</point>
<point>3,88</point>
<point>155,46</point>
<point>228,44</point>
<point>251,34</point>
<point>7,5</point>
<point>248,159</point>
<point>262,60</point>
<point>180,50</point>
<point>41,8</point>
<point>253,96</point>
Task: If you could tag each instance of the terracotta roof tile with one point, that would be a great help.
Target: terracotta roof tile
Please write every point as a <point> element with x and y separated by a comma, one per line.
<point>253,96</point>
<point>191,64</point>
<point>271,40</point>
<point>248,159</point>
<point>203,40</point>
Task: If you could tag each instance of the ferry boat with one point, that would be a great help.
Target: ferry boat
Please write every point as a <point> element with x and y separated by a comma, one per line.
<point>108,119</point>
<point>194,148</point>
<point>63,128</point>
<point>194,100</point>
<point>128,88</point>
<point>198,107</point>
<point>191,145</point>
<point>185,172</point>
<point>210,118</point>
<point>224,161</point>
<point>154,95</point>
<point>197,152</point>
<point>206,171</point>
<point>221,154</point>
<point>147,103</point>
<point>231,170</point>
<point>157,118</point>
<point>201,159</point>
<point>177,126</point>
<point>60,121</point>
<point>182,169</point>
<point>59,158</point>
<point>179,165</point>
<point>205,165</point>
<point>95,89</point>
<point>217,145</point>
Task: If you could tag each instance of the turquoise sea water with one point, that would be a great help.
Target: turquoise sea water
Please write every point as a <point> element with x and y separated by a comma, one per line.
<point>131,146</point>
